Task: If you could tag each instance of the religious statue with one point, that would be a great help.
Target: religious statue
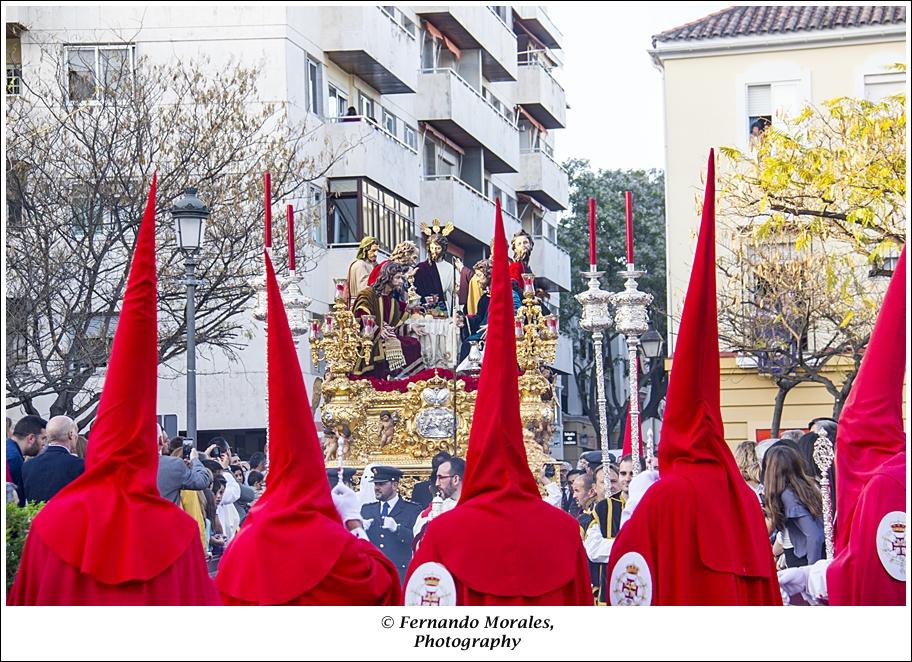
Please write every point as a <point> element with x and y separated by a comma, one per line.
<point>393,354</point>
<point>360,269</point>
<point>435,277</point>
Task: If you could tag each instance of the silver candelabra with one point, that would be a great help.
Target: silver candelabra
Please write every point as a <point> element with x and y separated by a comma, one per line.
<point>823,458</point>
<point>596,320</point>
<point>632,319</point>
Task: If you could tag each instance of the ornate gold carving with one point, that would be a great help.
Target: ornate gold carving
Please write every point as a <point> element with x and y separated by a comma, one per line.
<point>341,342</point>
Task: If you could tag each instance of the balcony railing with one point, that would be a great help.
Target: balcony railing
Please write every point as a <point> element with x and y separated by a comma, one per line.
<point>401,21</point>
<point>511,122</point>
<point>472,189</point>
<point>372,123</point>
<point>539,58</point>
<point>547,152</point>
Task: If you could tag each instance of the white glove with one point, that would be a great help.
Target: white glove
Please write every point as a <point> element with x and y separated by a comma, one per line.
<point>367,523</point>
<point>346,502</point>
<point>390,524</point>
<point>793,580</point>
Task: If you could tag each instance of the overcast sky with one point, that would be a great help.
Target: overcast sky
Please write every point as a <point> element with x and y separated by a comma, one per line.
<point>613,89</point>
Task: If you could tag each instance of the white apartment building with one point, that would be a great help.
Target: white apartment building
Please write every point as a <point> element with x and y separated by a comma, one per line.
<point>457,105</point>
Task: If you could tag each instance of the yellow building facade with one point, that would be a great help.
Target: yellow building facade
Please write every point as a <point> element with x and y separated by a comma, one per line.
<point>719,74</point>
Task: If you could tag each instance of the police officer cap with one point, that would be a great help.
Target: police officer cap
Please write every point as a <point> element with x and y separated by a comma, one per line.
<point>384,474</point>
<point>333,476</point>
<point>592,457</point>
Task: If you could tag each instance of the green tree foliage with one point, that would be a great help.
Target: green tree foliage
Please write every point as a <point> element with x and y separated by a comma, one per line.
<point>608,187</point>
<point>18,521</point>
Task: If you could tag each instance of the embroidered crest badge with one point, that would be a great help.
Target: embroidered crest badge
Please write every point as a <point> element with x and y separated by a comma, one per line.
<point>891,544</point>
<point>631,582</point>
<point>431,585</point>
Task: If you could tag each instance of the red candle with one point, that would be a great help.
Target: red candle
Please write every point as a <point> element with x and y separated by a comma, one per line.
<point>314,328</point>
<point>591,230</point>
<point>528,283</point>
<point>267,202</point>
<point>628,199</point>
<point>518,327</point>
<point>289,217</point>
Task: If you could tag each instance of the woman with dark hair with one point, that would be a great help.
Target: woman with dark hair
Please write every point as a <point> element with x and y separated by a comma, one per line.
<point>794,506</point>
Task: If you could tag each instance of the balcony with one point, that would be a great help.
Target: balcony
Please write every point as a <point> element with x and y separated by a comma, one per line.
<point>537,21</point>
<point>551,263</point>
<point>539,93</point>
<point>459,111</point>
<point>450,199</point>
<point>372,45</point>
<point>371,151</point>
<point>478,28</point>
<point>542,178</point>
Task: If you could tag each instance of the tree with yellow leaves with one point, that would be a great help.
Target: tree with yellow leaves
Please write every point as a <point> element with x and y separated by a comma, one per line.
<point>812,215</point>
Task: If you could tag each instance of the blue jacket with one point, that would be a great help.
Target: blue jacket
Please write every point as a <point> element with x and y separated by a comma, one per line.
<point>48,473</point>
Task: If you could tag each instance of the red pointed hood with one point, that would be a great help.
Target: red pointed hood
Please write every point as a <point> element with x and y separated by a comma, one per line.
<point>870,430</point>
<point>111,522</point>
<point>519,545</point>
<point>293,536</point>
<point>730,531</point>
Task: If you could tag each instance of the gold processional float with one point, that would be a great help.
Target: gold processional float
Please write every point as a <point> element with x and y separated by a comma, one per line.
<point>406,423</point>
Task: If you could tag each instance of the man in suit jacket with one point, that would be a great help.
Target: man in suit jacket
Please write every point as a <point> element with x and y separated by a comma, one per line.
<point>48,473</point>
<point>424,491</point>
<point>389,520</point>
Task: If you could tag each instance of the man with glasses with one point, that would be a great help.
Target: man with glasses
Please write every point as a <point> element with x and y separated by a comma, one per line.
<point>448,486</point>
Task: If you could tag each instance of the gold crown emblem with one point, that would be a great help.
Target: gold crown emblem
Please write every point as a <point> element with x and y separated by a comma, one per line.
<point>898,527</point>
<point>436,228</point>
<point>431,580</point>
<point>633,569</point>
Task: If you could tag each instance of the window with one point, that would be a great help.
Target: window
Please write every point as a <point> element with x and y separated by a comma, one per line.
<point>95,71</point>
<point>410,136</point>
<point>439,159</point>
<point>13,79</point>
<point>366,106</point>
<point>16,329</point>
<point>314,86</point>
<point>386,216</point>
<point>97,340</point>
<point>316,214</point>
<point>338,102</point>
<point>389,122</point>
<point>884,265</point>
<point>878,87</point>
<point>771,103</point>
<point>358,207</point>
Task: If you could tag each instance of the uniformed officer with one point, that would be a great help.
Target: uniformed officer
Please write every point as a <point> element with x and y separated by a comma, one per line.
<point>348,477</point>
<point>389,520</point>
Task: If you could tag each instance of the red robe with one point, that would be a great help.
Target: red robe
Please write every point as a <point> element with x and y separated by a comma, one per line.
<point>662,532</point>
<point>575,592</point>
<point>361,576</point>
<point>856,576</point>
<point>45,580</point>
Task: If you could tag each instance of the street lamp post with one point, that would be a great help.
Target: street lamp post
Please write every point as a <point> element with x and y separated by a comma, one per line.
<point>190,216</point>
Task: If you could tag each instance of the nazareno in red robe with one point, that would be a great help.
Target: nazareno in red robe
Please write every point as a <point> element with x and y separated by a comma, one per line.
<point>871,467</point>
<point>502,544</point>
<point>109,538</point>
<point>293,548</point>
<point>698,536</point>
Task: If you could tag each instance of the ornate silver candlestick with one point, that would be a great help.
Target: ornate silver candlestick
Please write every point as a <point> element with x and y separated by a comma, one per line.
<point>631,319</point>
<point>823,458</point>
<point>596,320</point>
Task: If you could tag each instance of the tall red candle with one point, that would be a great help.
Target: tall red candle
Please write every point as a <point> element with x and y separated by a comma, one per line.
<point>591,231</point>
<point>267,203</point>
<point>628,198</point>
<point>289,217</point>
